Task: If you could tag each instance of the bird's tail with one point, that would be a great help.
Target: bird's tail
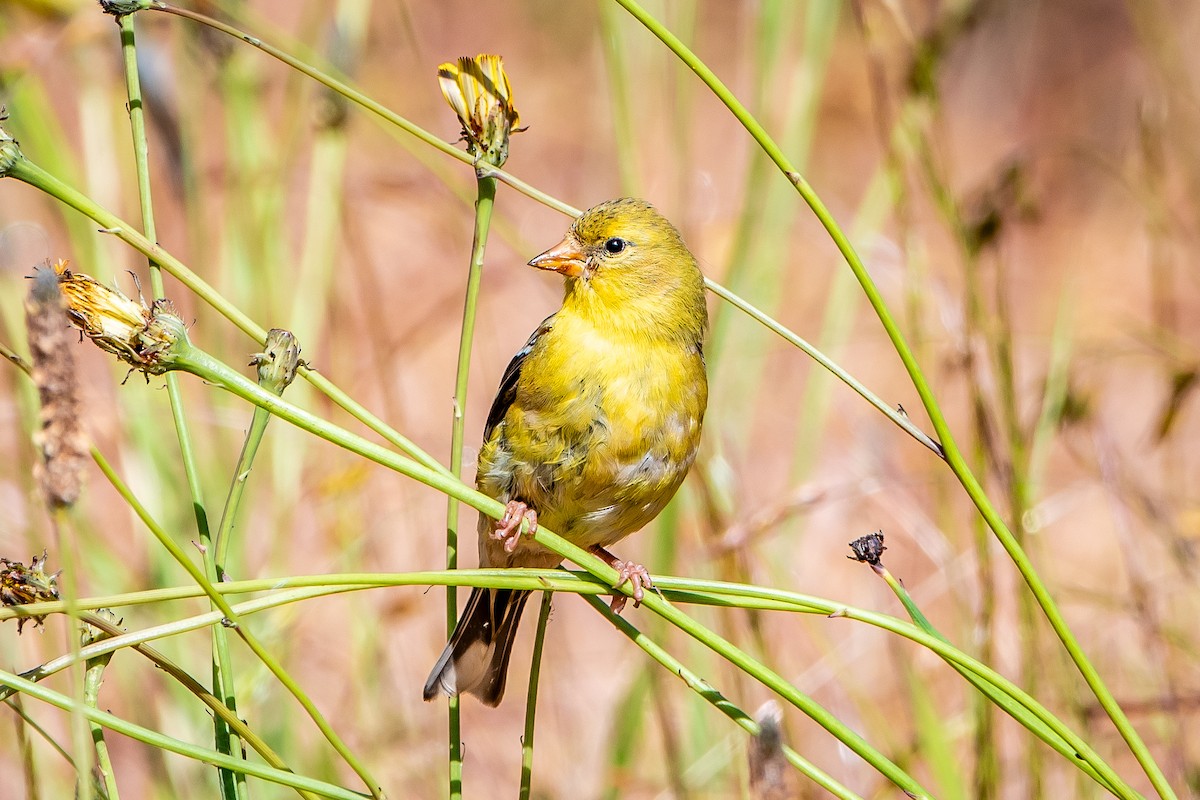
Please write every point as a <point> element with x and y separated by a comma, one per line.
<point>475,660</point>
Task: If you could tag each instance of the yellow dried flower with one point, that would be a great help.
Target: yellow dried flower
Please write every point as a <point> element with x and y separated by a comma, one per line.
<point>478,91</point>
<point>140,336</point>
<point>20,584</point>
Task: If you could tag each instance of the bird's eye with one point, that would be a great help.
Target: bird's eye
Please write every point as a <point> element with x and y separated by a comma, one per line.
<point>614,245</point>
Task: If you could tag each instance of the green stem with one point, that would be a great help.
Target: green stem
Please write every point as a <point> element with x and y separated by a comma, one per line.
<point>483,218</point>
<point>232,786</point>
<point>232,620</point>
<point>678,590</point>
<point>361,99</point>
<point>121,639</point>
<point>237,489</point>
<point>68,585</point>
<point>1000,699</point>
<point>895,415</point>
<point>217,706</point>
<point>535,672</point>
<point>715,698</point>
<point>953,455</point>
<point>223,673</point>
<point>92,678</point>
<point>163,742</point>
<point>28,172</point>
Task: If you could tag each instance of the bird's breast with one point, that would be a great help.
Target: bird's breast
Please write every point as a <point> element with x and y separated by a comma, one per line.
<point>600,434</point>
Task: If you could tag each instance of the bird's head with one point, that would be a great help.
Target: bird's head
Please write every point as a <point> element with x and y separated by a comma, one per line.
<point>624,260</point>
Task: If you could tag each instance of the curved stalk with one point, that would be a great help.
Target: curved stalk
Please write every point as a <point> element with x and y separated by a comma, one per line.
<point>164,742</point>
<point>953,456</point>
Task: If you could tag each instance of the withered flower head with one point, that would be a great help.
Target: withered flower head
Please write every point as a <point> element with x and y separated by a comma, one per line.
<point>20,584</point>
<point>478,91</point>
<point>141,336</point>
<point>868,549</point>
<point>61,438</point>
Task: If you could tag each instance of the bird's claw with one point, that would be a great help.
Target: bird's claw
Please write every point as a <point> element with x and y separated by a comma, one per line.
<point>638,578</point>
<point>508,528</point>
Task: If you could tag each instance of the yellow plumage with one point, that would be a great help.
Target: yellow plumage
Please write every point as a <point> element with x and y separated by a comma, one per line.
<point>596,422</point>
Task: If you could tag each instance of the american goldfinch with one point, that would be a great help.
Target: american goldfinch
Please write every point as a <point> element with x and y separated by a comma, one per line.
<point>595,424</point>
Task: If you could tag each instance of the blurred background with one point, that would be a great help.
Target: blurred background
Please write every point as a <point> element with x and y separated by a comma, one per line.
<point>1021,180</point>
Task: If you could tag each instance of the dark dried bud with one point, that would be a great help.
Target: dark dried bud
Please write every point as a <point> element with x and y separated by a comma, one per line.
<point>868,549</point>
<point>122,8</point>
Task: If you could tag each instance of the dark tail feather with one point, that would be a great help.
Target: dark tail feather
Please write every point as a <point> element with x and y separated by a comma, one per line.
<point>475,660</point>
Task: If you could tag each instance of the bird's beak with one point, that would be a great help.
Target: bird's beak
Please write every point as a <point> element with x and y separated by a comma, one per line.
<point>565,257</point>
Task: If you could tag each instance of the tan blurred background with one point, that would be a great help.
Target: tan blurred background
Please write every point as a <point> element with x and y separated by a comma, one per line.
<point>1020,179</point>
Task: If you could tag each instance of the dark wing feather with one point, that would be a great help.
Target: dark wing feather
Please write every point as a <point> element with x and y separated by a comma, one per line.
<point>507,392</point>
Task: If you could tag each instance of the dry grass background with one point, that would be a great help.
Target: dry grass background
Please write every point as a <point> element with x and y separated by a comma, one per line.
<point>911,129</point>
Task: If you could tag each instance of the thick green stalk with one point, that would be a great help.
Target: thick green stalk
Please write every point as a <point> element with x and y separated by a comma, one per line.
<point>483,219</point>
<point>535,672</point>
<point>232,785</point>
<point>163,742</point>
<point>941,427</point>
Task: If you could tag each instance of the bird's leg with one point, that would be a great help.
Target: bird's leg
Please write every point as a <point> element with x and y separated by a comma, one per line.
<point>637,576</point>
<point>508,528</point>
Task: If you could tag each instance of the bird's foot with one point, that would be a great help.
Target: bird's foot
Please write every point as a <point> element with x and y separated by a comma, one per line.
<point>508,528</point>
<point>636,575</point>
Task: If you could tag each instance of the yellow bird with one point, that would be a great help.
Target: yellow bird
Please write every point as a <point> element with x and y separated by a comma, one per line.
<point>595,424</point>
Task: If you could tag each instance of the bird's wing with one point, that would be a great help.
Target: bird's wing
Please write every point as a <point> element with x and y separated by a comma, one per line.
<point>507,392</point>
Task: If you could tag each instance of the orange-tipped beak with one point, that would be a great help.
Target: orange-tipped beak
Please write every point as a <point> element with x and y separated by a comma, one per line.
<point>564,257</point>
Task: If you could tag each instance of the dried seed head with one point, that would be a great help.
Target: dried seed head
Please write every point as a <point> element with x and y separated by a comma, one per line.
<point>20,585</point>
<point>61,438</point>
<point>144,338</point>
<point>868,549</point>
<point>278,362</point>
<point>771,777</point>
<point>478,91</point>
